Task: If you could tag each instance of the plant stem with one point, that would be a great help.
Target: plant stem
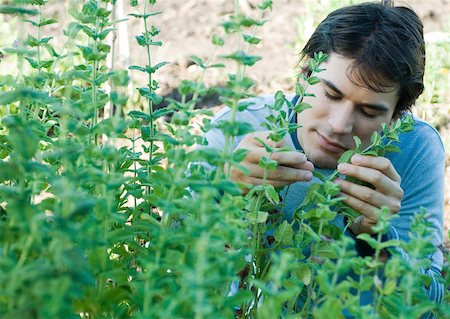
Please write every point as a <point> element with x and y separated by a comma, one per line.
<point>150,103</point>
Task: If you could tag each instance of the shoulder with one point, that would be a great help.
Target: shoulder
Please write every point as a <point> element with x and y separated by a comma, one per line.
<point>423,131</point>
<point>422,140</point>
<point>256,110</point>
<point>421,151</point>
<point>255,106</point>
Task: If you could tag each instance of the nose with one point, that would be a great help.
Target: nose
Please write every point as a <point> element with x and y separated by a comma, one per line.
<point>341,118</point>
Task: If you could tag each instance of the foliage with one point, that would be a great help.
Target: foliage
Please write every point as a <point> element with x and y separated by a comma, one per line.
<point>89,229</point>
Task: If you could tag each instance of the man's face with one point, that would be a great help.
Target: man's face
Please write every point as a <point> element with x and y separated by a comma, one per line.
<point>341,110</point>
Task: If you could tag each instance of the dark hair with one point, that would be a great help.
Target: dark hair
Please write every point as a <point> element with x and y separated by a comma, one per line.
<point>385,42</point>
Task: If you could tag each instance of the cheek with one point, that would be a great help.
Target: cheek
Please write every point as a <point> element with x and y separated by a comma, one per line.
<point>365,129</point>
<point>320,107</point>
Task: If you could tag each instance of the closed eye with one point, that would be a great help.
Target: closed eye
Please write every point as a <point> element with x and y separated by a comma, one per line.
<point>332,97</point>
<point>367,113</point>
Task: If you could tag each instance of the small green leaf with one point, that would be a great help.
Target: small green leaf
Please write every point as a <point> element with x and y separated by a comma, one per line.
<point>346,156</point>
<point>268,164</point>
<point>303,272</point>
<point>216,40</point>
<point>312,65</point>
<point>272,194</point>
<point>34,64</point>
<point>313,80</point>
<point>250,39</point>
<point>299,90</point>
<point>268,148</point>
<point>32,41</point>
<point>243,58</point>
<point>257,217</point>
<point>145,133</point>
<point>239,154</point>
<point>47,22</point>
<point>139,114</point>
<point>302,106</point>
<point>197,61</point>
<point>142,16</point>
<point>284,234</point>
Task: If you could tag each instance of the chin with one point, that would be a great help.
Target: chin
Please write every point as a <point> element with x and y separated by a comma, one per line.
<point>324,160</point>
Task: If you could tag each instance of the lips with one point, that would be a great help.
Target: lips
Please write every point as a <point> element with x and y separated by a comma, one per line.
<point>329,145</point>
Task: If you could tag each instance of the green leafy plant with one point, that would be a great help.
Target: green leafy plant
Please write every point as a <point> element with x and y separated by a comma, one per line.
<point>106,214</point>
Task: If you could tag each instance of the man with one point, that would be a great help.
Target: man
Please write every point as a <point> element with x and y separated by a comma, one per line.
<point>373,75</point>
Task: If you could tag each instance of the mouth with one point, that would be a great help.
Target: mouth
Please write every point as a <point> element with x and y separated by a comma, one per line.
<point>329,145</point>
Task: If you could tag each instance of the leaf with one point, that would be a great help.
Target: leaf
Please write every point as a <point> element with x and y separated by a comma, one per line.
<point>272,194</point>
<point>303,272</point>
<point>158,65</point>
<point>34,64</point>
<point>346,156</point>
<point>370,240</point>
<point>145,133</point>
<point>144,16</point>
<point>268,148</point>
<point>257,217</point>
<point>47,22</point>
<point>152,96</point>
<point>300,107</point>
<point>45,40</point>
<point>137,67</point>
<point>312,65</point>
<point>7,9</point>
<point>197,61</point>
<point>299,90</point>
<point>250,39</point>
<point>284,234</point>
<point>239,154</point>
<point>313,80</point>
<point>243,58</point>
<point>358,143</point>
<point>268,164</point>
<point>32,41</point>
<point>161,112</point>
<point>310,194</point>
<point>319,176</point>
<point>216,40</point>
<point>139,114</point>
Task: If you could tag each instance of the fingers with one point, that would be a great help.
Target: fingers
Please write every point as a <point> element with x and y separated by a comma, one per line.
<point>292,166</point>
<point>381,175</point>
<point>258,181</point>
<point>291,158</point>
<point>365,199</point>
<point>282,175</point>
<point>379,163</point>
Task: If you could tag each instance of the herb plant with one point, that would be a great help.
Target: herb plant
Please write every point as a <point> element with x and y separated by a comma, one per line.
<point>112,211</point>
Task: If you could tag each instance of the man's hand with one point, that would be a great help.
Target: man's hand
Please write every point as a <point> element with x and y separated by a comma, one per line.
<point>379,172</point>
<point>293,166</point>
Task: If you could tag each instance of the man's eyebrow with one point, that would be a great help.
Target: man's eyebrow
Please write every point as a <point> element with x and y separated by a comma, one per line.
<point>375,106</point>
<point>331,86</point>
